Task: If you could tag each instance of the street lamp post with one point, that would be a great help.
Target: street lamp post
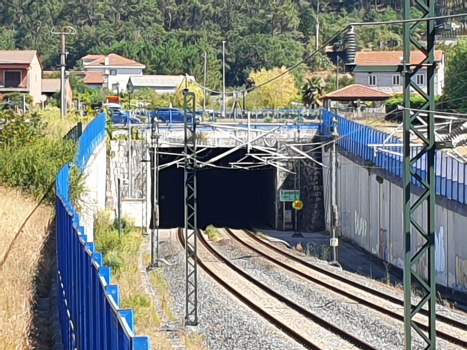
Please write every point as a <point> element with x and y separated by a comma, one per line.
<point>223,78</point>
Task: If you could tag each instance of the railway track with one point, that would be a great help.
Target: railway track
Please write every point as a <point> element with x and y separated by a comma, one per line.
<point>450,330</point>
<point>306,328</point>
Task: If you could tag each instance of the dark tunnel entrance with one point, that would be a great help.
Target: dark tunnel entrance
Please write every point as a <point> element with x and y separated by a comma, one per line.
<point>235,198</point>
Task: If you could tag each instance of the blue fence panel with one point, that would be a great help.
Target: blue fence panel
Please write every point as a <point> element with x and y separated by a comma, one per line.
<point>356,138</point>
<point>89,306</point>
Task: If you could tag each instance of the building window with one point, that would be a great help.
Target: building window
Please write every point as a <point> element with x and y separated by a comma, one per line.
<point>372,80</point>
<point>420,79</point>
<point>115,87</point>
<point>12,79</point>
<point>396,80</point>
<point>113,72</point>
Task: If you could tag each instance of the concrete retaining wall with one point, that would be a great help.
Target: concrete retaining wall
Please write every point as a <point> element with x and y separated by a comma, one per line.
<point>134,205</point>
<point>371,214</point>
<point>93,199</point>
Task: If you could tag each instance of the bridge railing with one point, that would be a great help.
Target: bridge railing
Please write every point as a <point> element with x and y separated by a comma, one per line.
<point>89,305</point>
<point>451,175</point>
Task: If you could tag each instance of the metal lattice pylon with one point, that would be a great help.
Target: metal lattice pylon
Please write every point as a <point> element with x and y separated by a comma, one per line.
<point>424,154</point>
<point>191,220</point>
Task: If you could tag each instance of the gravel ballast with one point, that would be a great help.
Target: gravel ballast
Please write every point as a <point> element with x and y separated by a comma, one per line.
<point>224,321</point>
<point>381,332</point>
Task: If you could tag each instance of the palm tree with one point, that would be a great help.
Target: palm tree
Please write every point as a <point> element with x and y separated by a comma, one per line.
<point>312,92</point>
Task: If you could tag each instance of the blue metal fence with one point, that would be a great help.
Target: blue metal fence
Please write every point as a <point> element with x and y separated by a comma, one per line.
<point>89,305</point>
<point>356,138</point>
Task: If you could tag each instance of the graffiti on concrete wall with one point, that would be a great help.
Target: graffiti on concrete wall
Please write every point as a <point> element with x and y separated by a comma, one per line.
<point>461,272</point>
<point>440,252</point>
<point>383,244</point>
<point>361,225</point>
<point>440,255</point>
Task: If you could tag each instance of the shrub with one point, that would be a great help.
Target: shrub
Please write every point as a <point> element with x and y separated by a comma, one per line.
<point>33,167</point>
<point>114,260</point>
<point>19,130</point>
<point>213,233</point>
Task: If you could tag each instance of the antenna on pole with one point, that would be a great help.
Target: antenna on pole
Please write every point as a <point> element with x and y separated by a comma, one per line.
<point>66,30</point>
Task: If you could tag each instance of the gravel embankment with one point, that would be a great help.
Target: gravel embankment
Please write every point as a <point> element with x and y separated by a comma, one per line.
<point>224,321</point>
<point>381,332</point>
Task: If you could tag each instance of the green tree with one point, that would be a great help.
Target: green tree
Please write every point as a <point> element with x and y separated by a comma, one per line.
<point>312,92</point>
<point>275,94</point>
<point>455,81</point>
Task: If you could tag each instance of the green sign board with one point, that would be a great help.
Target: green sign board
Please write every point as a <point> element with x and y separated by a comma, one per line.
<point>289,195</point>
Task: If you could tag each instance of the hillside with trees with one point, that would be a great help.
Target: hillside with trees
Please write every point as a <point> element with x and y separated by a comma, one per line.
<point>170,36</point>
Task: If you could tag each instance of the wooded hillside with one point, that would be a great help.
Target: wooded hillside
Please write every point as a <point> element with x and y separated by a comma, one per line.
<point>170,36</point>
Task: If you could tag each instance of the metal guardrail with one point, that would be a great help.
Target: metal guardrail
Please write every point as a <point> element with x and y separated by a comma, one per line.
<point>89,305</point>
<point>75,133</point>
<point>451,175</point>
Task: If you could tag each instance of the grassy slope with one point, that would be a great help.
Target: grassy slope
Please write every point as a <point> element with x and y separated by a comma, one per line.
<point>18,271</point>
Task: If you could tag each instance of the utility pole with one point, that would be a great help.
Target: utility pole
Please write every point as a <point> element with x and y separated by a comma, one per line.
<point>66,30</point>
<point>426,153</point>
<point>191,213</point>
<point>337,73</point>
<point>334,212</point>
<point>223,78</point>
<point>317,25</point>
<point>204,81</point>
<point>155,194</point>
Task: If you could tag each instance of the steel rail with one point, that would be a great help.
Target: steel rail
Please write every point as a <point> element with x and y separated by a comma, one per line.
<point>360,300</point>
<point>281,325</point>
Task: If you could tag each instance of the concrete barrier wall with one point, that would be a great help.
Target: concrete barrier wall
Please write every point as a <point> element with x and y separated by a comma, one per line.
<point>95,185</point>
<point>371,214</point>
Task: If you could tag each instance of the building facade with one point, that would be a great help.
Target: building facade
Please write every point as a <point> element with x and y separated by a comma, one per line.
<point>115,69</point>
<point>393,83</point>
<point>21,71</point>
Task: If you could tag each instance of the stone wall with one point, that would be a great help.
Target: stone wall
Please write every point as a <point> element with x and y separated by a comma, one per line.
<point>310,182</point>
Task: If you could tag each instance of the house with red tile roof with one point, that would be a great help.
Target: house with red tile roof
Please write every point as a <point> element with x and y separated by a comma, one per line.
<point>392,82</point>
<point>111,71</point>
<point>21,71</point>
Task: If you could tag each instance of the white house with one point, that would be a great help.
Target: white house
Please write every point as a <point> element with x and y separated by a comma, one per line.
<point>116,69</point>
<point>392,83</point>
<point>162,84</point>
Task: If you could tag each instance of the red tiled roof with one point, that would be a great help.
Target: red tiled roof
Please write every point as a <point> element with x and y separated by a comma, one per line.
<point>92,57</point>
<point>357,91</point>
<point>114,60</point>
<point>377,58</point>
<point>94,78</point>
<point>17,56</point>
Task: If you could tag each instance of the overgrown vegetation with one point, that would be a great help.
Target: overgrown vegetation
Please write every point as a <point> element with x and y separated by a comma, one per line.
<point>31,152</point>
<point>122,254</point>
<point>213,233</point>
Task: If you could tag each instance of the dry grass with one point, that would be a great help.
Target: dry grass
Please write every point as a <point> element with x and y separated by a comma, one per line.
<point>17,274</point>
<point>58,127</point>
<point>193,341</point>
<point>158,281</point>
